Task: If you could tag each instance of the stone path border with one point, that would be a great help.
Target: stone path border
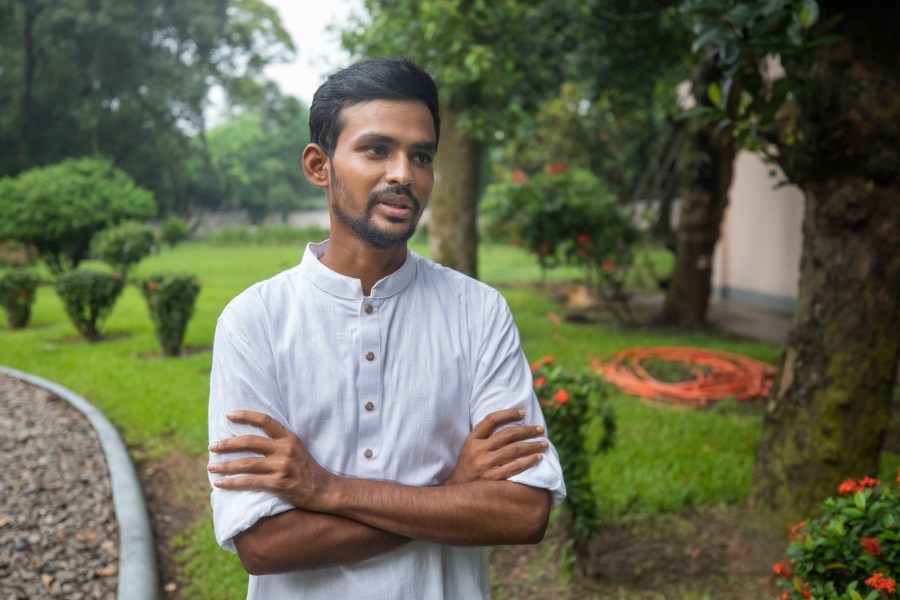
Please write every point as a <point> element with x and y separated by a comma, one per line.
<point>138,577</point>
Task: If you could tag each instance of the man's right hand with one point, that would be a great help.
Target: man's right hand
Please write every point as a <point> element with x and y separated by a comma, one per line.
<point>488,454</point>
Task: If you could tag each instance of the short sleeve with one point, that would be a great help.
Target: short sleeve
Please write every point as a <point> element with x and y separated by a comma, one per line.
<point>242,378</point>
<point>503,380</point>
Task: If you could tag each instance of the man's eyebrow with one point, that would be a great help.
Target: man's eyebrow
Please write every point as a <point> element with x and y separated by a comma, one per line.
<point>380,138</point>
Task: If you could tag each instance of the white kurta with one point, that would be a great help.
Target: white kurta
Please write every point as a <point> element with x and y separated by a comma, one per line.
<point>385,386</point>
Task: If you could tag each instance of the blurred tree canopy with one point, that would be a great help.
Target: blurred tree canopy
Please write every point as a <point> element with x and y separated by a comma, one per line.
<point>129,80</point>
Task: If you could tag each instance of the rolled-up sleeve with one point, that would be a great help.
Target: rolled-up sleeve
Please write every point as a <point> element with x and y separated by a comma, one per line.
<point>503,380</point>
<point>242,378</point>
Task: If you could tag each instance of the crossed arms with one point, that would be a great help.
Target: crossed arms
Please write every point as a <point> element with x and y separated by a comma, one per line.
<point>338,520</point>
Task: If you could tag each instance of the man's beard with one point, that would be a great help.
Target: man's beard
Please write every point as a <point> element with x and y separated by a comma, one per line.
<point>363,226</point>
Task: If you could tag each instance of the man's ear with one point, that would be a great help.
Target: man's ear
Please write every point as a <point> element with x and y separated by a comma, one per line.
<point>316,166</point>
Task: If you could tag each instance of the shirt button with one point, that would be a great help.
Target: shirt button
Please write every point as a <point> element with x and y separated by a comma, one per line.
<point>368,309</point>
<point>367,453</point>
<point>368,406</point>
<point>370,355</point>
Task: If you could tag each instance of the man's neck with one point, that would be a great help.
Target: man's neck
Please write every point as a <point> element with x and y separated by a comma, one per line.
<point>354,258</point>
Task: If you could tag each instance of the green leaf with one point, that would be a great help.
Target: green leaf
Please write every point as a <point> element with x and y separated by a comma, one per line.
<point>715,95</point>
<point>807,12</point>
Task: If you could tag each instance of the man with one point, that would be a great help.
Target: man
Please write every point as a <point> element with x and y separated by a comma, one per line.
<point>344,391</point>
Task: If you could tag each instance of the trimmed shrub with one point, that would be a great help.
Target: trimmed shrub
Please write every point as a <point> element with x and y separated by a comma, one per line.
<point>17,290</point>
<point>170,299</point>
<point>89,297</point>
<point>174,230</point>
<point>123,246</point>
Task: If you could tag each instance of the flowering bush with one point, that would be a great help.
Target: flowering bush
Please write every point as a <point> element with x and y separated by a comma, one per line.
<point>851,552</point>
<point>89,297</point>
<point>570,404</point>
<point>170,299</point>
<point>17,295</point>
<point>174,230</point>
<point>567,216</point>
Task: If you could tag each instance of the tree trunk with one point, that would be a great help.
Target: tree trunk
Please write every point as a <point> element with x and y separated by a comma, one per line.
<point>452,226</point>
<point>703,202</point>
<point>830,406</point>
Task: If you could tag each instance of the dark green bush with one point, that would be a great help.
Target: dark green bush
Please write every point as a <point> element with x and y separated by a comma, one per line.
<point>57,209</point>
<point>124,245</point>
<point>174,230</point>
<point>170,299</point>
<point>89,297</point>
<point>17,295</point>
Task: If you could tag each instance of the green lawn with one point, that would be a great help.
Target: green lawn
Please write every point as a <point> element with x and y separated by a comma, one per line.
<point>663,460</point>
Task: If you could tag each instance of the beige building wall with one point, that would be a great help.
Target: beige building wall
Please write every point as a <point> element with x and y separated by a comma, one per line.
<point>757,260</point>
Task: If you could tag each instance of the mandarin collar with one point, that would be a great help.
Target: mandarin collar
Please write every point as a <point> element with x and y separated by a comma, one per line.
<point>349,287</point>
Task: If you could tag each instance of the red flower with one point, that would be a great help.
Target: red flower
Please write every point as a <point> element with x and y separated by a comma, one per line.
<point>561,397</point>
<point>547,360</point>
<point>870,545</point>
<point>868,482</point>
<point>795,530</point>
<point>557,168</point>
<point>898,474</point>
<point>518,176</point>
<point>535,366</point>
<point>608,265</point>
<point>881,583</point>
<point>782,569</point>
<point>540,381</point>
<point>583,239</point>
<point>152,286</point>
<point>806,593</point>
<point>784,596</point>
<point>849,486</point>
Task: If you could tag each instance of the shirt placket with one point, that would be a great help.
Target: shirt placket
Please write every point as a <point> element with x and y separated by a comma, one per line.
<point>369,393</point>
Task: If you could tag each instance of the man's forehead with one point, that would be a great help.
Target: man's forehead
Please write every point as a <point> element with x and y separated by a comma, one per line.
<point>387,118</point>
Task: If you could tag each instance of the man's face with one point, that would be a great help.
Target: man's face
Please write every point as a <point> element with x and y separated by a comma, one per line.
<point>381,171</point>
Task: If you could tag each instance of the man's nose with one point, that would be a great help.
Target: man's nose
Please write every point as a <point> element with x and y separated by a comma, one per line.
<point>400,172</point>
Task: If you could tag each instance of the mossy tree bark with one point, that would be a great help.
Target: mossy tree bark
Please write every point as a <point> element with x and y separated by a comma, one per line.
<point>453,223</point>
<point>830,406</point>
<point>706,179</point>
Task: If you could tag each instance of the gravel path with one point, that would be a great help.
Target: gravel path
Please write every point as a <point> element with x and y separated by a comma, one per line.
<point>58,532</point>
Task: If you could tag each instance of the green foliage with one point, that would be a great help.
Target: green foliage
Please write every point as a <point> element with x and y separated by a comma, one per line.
<point>266,235</point>
<point>57,209</point>
<point>170,298</point>
<point>17,289</point>
<point>570,403</point>
<point>742,38</point>
<point>174,230</point>
<point>567,216</point>
<point>851,551</point>
<point>89,297</point>
<point>124,245</point>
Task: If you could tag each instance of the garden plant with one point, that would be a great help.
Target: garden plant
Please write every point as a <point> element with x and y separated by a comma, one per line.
<point>124,245</point>
<point>88,297</point>
<point>174,230</point>
<point>851,551</point>
<point>170,299</point>
<point>17,290</point>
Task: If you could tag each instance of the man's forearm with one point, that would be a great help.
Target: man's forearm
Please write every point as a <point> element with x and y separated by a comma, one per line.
<point>297,539</point>
<point>478,513</point>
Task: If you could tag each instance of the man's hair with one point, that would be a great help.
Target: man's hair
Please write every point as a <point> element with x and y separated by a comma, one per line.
<point>393,78</point>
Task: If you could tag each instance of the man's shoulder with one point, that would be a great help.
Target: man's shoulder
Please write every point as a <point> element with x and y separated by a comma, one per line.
<point>432,271</point>
<point>264,294</point>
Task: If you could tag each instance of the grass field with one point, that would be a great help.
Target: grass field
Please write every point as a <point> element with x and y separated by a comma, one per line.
<point>663,460</point>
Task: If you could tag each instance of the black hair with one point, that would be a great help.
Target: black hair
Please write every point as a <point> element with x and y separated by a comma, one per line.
<point>394,78</point>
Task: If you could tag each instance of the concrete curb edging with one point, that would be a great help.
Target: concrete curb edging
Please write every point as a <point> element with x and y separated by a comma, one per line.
<point>138,577</point>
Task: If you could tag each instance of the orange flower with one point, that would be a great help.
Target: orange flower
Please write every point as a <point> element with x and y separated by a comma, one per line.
<point>561,397</point>
<point>547,360</point>
<point>540,381</point>
<point>868,482</point>
<point>795,530</point>
<point>583,239</point>
<point>782,569</point>
<point>152,286</point>
<point>784,596</point>
<point>898,474</point>
<point>557,168</point>
<point>849,486</point>
<point>870,545</point>
<point>535,366</point>
<point>881,583</point>
<point>518,176</point>
<point>806,593</point>
<point>608,265</point>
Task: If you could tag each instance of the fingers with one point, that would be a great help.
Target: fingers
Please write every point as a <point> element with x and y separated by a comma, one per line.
<point>242,465</point>
<point>490,423</point>
<point>243,443</point>
<point>273,428</point>
<point>516,433</point>
<point>514,468</point>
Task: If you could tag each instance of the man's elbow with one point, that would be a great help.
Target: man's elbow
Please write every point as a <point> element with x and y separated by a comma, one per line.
<point>254,554</point>
<point>535,517</point>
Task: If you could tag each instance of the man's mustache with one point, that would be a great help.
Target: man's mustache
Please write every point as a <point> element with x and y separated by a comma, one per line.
<point>395,190</point>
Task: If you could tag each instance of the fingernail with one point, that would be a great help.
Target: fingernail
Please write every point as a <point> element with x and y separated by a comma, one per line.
<point>231,415</point>
<point>545,445</point>
<point>521,413</point>
<point>539,429</point>
<point>214,446</point>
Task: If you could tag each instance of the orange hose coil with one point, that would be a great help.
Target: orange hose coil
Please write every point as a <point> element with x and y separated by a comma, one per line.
<point>717,375</point>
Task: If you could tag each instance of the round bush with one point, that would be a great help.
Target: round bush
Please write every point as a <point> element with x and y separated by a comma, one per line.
<point>124,245</point>
<point>17,290</point>
<point>170,299</point>
<point>174,230</point>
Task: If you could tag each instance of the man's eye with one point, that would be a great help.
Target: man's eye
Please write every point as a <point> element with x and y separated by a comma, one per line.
<point>376,151</point>
<point>423,158</point>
